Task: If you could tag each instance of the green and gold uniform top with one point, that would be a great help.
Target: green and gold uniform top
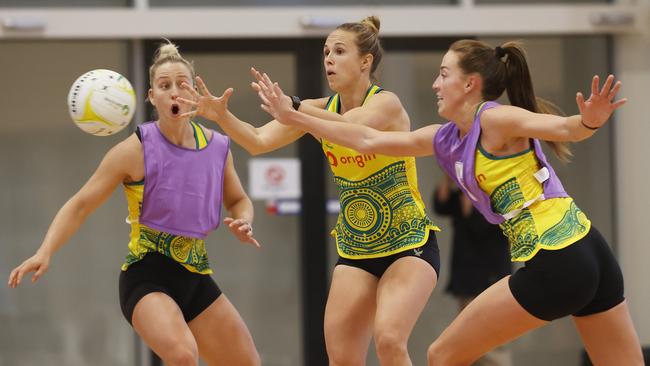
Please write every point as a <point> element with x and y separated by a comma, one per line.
<point>546,224</point>
<point>382,212</point>
<point>189,252</point>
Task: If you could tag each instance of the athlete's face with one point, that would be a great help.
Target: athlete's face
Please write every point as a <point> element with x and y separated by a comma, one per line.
<point>343,64</point>
<point>166,88</point>
<point>450,86</point>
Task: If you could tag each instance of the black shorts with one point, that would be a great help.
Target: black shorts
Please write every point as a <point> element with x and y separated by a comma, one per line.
<point>156,272</point>
<point>377,266</point>
<point>581,279</point>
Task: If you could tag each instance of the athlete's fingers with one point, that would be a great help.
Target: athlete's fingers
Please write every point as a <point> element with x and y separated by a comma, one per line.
<point>12,278</point>
<point>225,97</point>
<point>39,273</point>
<point>278,90</point>
<point>189,88</point>
<point>264,98</point>
<point>241,224</point>
<point>267,110</point>
<point>260,77</point>
<point>255,242</point>
<point>202,87</point>
<point>580,101</point>
<point>187,101</point>
<point>619,103</point>
<point>268,80</point>
<point>264,87</point>
<point>243,227</point>
<point>594,85</point>
<point>16,275</point>
<point>608,84</point>
<point>238,222</point>
<point>612,93</point>
<point>189,114</point>
<point>250,239</point>
<point>256,74</point>
<point>20,274</point>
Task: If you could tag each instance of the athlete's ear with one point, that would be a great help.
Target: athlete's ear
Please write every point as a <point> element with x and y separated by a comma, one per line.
<point>366,62</point>
<point>472,82</point>
<point>150,97</point>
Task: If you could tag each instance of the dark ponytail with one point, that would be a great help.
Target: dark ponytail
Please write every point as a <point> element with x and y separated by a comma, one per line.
<point>505,68</point>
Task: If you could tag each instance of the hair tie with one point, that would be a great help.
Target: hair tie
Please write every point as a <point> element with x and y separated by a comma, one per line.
<point>500,52</point>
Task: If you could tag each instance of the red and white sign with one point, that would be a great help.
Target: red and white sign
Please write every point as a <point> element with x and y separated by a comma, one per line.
<point>274,178</point>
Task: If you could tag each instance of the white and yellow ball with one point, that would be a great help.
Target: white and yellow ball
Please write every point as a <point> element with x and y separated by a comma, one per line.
<point>101,102</point>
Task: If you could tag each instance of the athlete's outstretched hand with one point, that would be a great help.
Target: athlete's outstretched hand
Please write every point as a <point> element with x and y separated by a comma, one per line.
<point>596,110</point>
<point>38,263</point>
<point>242,229</point>
<point>205,104</point>
<point>274,101</point>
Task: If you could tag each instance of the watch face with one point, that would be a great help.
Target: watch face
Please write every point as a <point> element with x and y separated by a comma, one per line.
<point>296,102</point>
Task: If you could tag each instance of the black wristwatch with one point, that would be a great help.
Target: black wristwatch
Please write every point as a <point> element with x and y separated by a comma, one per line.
<point>296,102</point>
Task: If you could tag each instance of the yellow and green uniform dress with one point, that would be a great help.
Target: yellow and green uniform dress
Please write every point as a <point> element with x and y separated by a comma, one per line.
<point>382,212</point>
<point>546,224</point>
<point>189,252</point>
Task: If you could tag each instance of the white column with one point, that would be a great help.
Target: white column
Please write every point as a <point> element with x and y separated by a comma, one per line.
<point>632,148</point>
<point>141,4</point>
<point>467,3</point>
<point>138,78</point>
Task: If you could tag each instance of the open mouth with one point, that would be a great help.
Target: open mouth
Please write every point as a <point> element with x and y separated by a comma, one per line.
<point>330,73</point>
<point>175,109</point>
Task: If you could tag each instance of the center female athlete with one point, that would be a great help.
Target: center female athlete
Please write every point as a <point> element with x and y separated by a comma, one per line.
<point>388,256</point>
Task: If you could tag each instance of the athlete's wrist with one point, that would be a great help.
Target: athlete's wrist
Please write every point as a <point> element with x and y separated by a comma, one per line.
<point>587,126</point>
<point>44,252</point>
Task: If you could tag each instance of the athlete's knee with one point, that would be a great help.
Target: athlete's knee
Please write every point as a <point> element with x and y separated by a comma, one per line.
<point>345,362</point>
<point>390,345</point>
<point>181,355</point>
<point>340,355</point>
<point>435,356</point>
<point>438,355</point>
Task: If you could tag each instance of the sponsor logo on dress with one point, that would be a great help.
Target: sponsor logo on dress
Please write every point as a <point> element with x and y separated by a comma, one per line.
<point>358,160</point>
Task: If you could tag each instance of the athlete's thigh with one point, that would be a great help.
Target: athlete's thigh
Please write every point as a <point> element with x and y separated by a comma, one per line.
<point>222,335</point>
<point>349,313</point>
<point>492,319</point>
<point>609,337</point>
<point>402,293</point>
<point>159,321</point>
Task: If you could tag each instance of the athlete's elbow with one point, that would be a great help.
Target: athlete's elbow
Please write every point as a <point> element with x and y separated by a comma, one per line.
<point>256,147</point>
<point>366,145</point>
<point>238,203</point>
<point>254,151</point>
<point>79,207</point>
<point>259,149</point>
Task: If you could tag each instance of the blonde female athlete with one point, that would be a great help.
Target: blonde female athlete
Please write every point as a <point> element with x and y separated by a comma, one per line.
<point>388,255</point>
<point>493,153</point>
<point>175,174</point>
